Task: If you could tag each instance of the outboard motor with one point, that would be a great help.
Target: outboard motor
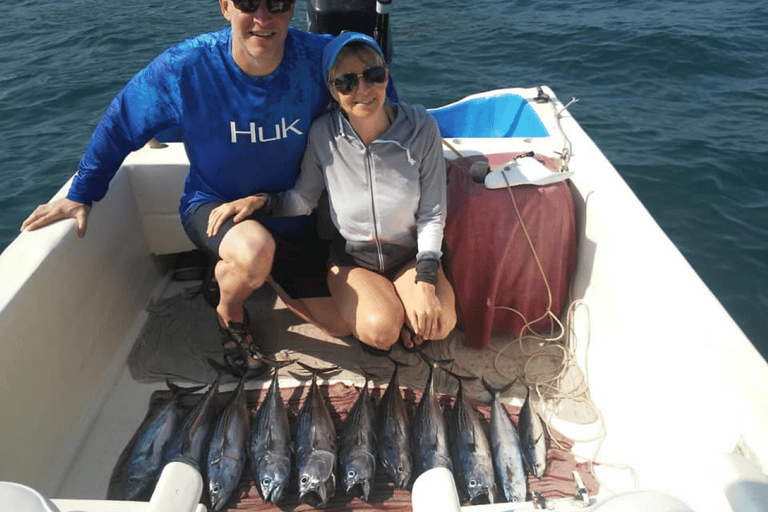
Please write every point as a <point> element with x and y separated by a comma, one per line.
<point>367,16</point>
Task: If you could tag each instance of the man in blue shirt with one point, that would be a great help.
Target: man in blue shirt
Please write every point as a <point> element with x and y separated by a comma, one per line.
<point>243,99</point>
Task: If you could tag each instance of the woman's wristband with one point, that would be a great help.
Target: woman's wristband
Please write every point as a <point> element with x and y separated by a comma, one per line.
<point>426,270</point>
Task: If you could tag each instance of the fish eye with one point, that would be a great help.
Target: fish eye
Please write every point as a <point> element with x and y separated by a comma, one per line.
<point>473,483</point>
<point>514,499</point>
<point>266,481</point>
<point>215,488</point>
<point>400,468</point>
<point>351,473</point>
<point>304,480</point>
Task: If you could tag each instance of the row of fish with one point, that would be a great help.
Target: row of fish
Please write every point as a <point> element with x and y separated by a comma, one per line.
<point>222,444</point>
<point>464,447</point>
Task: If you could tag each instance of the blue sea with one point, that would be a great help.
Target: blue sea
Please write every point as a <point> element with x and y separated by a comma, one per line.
<point>674,92</point>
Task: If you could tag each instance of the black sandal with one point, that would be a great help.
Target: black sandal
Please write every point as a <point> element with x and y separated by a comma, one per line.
<point>210,287</point>
<point>241,352</point>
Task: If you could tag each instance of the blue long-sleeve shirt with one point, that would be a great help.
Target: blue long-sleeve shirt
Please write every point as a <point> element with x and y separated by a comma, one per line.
<point>242,134</point>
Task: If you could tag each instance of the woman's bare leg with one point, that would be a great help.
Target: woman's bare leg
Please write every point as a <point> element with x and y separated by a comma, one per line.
<point>368,303</point>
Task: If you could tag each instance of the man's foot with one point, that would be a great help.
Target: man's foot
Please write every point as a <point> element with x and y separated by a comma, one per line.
<point>241,353</point>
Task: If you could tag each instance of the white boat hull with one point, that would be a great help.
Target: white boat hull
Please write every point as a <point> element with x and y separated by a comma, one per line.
<point>679,386</point>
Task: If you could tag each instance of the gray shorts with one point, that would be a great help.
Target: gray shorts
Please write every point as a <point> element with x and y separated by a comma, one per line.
<point>300,265</point>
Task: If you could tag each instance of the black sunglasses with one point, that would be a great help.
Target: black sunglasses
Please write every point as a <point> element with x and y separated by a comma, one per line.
<point>348,82</point>
<point>273,6</point>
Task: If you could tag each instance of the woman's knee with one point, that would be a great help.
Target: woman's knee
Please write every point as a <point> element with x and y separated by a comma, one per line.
<point>380,329</point>
<point>447,323</point>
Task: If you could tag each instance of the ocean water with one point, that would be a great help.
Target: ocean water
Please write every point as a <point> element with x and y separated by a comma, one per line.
<point>674,92</point>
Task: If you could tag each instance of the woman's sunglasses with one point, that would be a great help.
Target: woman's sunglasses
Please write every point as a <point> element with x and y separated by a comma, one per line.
<point>348,82</point>
<point>273,6</point>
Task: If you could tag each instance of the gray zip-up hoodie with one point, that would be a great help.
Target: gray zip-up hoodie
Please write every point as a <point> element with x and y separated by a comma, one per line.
<point>387,199</point>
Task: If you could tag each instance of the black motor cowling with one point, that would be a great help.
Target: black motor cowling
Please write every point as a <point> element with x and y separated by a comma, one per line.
<point>334,16</point>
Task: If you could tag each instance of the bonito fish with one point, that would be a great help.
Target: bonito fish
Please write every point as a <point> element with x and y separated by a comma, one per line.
<point>270,445</point>
<point>139,465</point>
<point>315,447</point>
<point>507,453</point>
<point>532,438</point>
<point>357,447</point>
<point>392,434</point>
<point>192,439</point>
<point>429,438</point>
<point>470,451</point>
<point>227,451</point>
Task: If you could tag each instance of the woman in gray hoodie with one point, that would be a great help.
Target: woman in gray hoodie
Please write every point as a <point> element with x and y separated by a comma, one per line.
<point>383,167</point>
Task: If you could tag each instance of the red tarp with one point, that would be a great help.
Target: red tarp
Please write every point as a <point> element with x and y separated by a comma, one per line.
<point>491,261</point>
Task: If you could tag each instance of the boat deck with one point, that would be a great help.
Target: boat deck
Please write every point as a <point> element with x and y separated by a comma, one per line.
<point>178,311</point>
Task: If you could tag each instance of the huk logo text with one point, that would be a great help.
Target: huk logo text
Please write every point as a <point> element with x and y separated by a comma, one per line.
<point>258,134</point>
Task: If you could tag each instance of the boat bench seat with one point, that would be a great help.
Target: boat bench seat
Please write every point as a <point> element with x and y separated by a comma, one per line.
<point>157,174</point>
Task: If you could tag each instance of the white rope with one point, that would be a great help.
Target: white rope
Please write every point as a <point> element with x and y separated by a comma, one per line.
<point>561,340</point>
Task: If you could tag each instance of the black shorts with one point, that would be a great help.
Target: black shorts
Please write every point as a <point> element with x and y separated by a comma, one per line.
<point>300,265</point>
<point>340,257</point>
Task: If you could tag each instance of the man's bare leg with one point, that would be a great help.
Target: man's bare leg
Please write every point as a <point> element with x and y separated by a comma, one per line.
<point>246,253</point>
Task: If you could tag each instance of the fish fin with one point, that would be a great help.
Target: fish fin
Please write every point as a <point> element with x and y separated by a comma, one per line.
<point>494,391</point>
<point>458,377</point>
<point>318,371</point>
<point>178,390</point>
<point>221,369</point>
<point>396,362</point>
<point>368,375</point>
<point>434,362</point>
<point>275,364</point>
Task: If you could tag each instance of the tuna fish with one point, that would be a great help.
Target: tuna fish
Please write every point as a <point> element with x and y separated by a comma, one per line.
<point>357,447</point>
<point>315,447</point>
<point>227,451</point>
<point>192,439</point>
<point>141,461</point>
<point>532,439</point>
<point>505,444</point>
<point>392,434</point>
<point>470,451</point>
<point>270,445</point>
<point>429,438</point>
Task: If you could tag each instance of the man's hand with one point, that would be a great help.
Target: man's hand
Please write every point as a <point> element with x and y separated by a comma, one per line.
<point>56,210</point>
<point>239,210</point>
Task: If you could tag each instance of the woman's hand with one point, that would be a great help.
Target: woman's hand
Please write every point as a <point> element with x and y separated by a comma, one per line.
<point>425,316</point>
<point>56,210</point>
<point>239,210</point>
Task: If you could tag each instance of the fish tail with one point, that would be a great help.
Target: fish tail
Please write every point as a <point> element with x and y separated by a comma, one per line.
<point>434,362</point>
<point>458,377</point>
<point>220,368</point>
<point>396,362</point>
<point>318,371</point>
<point>368,375</point>
<point>276,365</point>
<point>178,391</point>
<point>313,369</point>
<point>497,391</point>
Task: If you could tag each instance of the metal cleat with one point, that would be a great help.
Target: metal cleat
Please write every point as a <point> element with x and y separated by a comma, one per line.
<point>582,495</point>
<point>540,502</point>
